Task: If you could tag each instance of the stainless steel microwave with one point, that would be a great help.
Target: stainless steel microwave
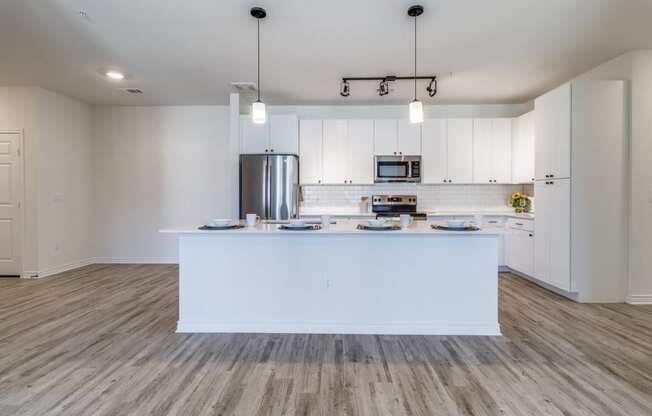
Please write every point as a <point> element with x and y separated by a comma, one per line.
<point>397,169</point>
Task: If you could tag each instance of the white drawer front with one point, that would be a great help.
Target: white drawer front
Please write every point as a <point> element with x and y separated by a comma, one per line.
<point>520,224</point>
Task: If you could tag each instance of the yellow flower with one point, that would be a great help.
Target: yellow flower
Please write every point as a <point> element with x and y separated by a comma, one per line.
<point>516,195</point>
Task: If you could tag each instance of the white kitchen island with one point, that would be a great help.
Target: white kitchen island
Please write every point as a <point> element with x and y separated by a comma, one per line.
<point>338,280</point>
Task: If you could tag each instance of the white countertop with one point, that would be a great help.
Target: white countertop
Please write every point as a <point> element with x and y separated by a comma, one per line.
<point>349,212</point>
<point>342,227</point>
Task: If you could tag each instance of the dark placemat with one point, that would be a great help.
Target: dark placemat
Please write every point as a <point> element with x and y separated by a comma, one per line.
<point>308,227</point>
<point>225,227</point>
<point>367,228</point>
<point>444,228</point>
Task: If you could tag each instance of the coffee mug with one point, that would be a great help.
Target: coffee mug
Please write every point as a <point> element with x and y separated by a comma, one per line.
<point>252,219</point>
<point>406,220</point>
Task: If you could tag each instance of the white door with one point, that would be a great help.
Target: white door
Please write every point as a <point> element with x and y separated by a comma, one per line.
<point>361,151</point>
<point>409,138</point>
<point>521,251</point>
<point>501,132</point>
<point>336,151</point>
<point>284,134</point>
<point>460,150</point>
<point>559,233</point>
<point>10,210</point>
<point>542,192</point>
<point>434,151</point>
<point>482,151</point>
<point>523,149</point>
<point>254,138</point>
<point>310,152</point>
<point>385,137</point>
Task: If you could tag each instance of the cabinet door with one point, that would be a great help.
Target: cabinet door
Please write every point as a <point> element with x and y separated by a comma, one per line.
<point>434,151</point>
<point>409,138</point>
<point>542,192</point>
<point>254,138</point>
<point>385,137</point>
<point>284,134</point>
<point>336,152</point>
<point>482,151</point>
<point>521,251</point>
<point>553,133</point>
<point>460,150</point>
<point>501,134</point>
<point>361,151</point>
<point>310,152</point>
<point>559,233</point>
<point>523,149</point>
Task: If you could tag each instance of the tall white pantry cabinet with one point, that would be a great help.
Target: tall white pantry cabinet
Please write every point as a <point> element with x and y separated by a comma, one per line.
<point>581,153</point>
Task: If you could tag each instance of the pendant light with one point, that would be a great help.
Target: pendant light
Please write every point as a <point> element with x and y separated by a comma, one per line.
<point>258,114</point>
<point>416,107</point>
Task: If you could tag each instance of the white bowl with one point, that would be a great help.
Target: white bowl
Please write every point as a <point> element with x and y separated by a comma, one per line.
<point>456,223</point>
<point>297,223</point>
<point>379,222</point>
<point>221,222</point>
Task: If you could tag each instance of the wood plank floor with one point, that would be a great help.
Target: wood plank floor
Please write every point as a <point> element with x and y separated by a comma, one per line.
<point>101,341</point>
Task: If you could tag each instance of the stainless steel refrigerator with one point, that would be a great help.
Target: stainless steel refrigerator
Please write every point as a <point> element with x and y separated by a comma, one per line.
<point>269,186</point>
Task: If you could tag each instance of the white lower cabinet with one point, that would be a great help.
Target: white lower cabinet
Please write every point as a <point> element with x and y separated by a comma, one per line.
<point>552,230</point>
<point>520,250</point>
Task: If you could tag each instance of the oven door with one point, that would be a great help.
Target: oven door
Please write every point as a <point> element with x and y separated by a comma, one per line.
<point>392,171</point>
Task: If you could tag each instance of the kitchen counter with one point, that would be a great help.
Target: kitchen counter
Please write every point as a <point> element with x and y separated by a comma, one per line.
<point>342,227</point>
<point>339,212</point>
<point>338,280</point>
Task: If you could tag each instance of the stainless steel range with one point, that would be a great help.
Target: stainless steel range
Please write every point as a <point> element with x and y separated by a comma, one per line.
<point>395,205</point>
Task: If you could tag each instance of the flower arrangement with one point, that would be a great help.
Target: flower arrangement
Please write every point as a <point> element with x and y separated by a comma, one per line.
<point>520,202</point>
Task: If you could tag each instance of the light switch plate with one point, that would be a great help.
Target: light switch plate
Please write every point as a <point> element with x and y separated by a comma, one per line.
<point>650,196</point>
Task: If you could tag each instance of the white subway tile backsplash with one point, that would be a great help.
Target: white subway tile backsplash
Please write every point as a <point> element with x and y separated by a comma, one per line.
<point>430,197</point>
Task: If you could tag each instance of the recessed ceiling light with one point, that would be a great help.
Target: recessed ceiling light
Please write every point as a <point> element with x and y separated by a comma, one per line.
<point>115,75</point>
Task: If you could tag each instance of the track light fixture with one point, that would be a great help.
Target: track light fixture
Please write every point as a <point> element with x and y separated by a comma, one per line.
<point>384,85</point>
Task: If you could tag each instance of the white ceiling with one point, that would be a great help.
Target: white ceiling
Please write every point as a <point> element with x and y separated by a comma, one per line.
<point>188,51</point>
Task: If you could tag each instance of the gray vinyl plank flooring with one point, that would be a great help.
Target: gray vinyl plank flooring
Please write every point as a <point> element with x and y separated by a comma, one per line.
<point>100,341</point>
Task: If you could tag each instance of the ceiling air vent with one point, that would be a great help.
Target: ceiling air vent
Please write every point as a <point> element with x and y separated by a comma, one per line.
<point>132,90</point>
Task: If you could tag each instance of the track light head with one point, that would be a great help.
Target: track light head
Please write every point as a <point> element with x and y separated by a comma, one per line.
<point>345,88</point>
<point>383,88</point>
<point>432,87</point>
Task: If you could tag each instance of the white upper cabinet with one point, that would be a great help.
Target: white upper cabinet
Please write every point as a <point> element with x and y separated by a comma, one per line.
<point>409,138</point>
<point>279,135</point>
<point>385,137</point>
<point>501,135</point>
<point>434,148</point>
<point>254,138</point>
<point>310,151</point>
<point>460,150</point>
<point>361,151</point>
<point>336,152</point>
<point>523,148</point>
<point>482,151</point>
<point>492,147</point>
<point>553,134</point>
<point>284,134</point>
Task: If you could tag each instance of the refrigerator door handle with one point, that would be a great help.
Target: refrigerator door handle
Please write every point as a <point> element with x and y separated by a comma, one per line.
<point>268,188</point>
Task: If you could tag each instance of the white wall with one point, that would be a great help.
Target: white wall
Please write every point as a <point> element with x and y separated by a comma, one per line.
<point>637,67</point>
<point>157,167</point>
<point>65,209</point>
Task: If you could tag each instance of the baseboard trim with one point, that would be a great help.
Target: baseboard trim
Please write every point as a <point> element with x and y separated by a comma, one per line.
<point>338,328</point>
<point>62,268</point>
<point>639,299</point>
<point>137,260</point>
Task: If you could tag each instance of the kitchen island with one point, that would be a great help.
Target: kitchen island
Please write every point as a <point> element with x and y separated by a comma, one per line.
<point>338,280</point>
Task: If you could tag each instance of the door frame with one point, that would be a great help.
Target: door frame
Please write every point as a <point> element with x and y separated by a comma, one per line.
<point>21,194</point>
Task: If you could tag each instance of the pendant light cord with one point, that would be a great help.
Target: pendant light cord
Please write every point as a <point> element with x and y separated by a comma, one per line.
<point>258,20</point>
<point>415,58</point>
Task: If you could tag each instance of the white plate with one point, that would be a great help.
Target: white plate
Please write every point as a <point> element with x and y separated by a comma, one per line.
<point>456,224</point>
<point>221,222</point>
<point>378,225</point>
